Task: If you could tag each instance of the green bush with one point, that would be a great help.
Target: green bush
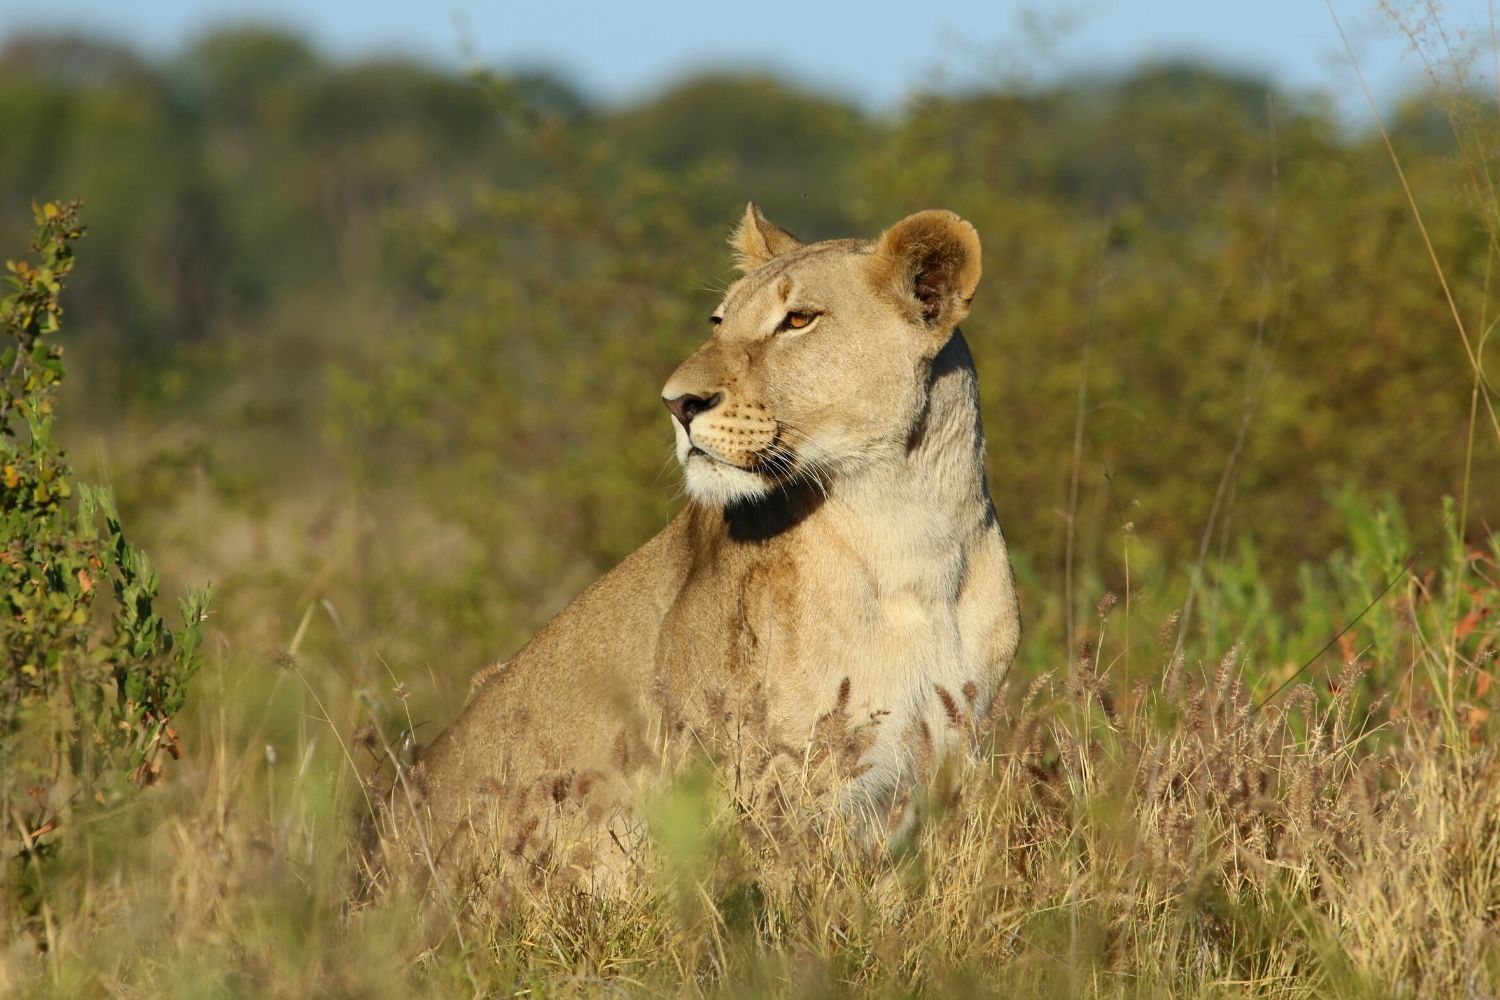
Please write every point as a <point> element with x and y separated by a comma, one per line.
<point>92,675</point>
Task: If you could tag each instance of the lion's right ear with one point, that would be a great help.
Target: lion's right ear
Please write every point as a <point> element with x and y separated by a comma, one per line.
<point>931,260</point>
<point>757,239</point>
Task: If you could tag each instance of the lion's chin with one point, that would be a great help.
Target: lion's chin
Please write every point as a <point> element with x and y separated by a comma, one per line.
<point>717,484</point>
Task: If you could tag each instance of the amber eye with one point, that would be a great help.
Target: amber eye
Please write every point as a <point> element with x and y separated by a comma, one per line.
<point>798,320</point>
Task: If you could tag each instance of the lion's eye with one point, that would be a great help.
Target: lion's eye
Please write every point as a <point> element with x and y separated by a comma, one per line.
<point>715,320</point>
<point>798,320</point>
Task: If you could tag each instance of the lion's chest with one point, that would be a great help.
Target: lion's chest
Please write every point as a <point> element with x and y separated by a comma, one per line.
<point>904,653</point>
<point>851,637</point>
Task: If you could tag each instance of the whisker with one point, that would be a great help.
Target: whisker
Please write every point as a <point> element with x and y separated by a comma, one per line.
<point>816,467</point>
<point>671,457</point>
<point>787,466</point>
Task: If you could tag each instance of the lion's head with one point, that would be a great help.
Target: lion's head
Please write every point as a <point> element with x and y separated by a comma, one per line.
<point>818,361</point>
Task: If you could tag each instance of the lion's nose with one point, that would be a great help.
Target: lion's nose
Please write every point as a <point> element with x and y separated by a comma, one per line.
<point>687,406</point>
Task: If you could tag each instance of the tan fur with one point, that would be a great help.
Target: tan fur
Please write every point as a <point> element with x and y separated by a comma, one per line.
<point>838,588</point>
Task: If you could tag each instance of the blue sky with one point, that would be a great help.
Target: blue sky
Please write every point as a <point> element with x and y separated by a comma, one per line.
<point>874,51</point>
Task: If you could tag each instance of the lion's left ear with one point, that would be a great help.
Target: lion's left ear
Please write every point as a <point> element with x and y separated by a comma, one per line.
<point>931,260</point>
<point>757,239</point>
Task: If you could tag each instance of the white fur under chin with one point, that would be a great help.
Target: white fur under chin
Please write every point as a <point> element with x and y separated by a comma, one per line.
<point>717,484</point>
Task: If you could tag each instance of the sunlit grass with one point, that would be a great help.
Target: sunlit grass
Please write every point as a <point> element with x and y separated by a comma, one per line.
<point>1169,836</point>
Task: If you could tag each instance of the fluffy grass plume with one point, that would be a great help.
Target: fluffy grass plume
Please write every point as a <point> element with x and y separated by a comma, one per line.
<point>1172,835</point>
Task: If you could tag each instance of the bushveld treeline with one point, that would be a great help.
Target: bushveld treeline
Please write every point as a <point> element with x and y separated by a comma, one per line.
<point>457,296</point>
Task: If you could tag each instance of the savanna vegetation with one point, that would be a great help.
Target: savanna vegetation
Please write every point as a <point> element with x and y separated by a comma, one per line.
<point>375,349</point>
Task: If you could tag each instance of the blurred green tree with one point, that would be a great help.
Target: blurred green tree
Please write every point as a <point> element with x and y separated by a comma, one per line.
<point>498,273</point>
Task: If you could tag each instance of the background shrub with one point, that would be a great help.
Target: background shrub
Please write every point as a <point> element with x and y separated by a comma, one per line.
<point>92,676</point>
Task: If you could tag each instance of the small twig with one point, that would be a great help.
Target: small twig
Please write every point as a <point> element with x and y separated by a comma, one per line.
<point>1405,568</point>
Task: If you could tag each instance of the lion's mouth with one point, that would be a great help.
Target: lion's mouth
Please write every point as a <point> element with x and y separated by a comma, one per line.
<point>775,462</point>
<point>694,451</point>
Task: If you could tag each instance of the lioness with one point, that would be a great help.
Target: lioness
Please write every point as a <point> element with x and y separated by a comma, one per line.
<point>837,589</point>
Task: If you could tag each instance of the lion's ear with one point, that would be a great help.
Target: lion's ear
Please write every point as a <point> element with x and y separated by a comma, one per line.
<point>932,262</point>
<point>757,239</point>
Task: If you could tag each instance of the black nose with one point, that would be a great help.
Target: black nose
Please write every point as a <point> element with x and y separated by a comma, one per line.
<point>687,406</point>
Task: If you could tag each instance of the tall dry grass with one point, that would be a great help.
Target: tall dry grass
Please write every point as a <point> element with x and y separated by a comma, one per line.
<point>1169,835</point>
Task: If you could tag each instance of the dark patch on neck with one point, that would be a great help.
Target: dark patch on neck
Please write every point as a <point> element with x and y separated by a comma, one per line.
<point>776,513</point>
<point>952,358</point>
